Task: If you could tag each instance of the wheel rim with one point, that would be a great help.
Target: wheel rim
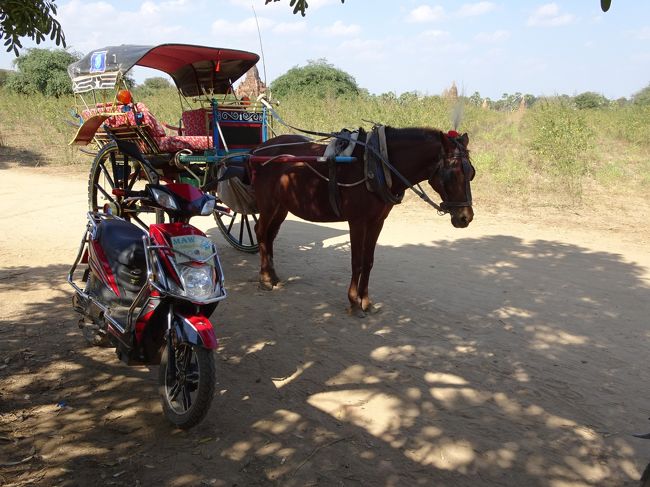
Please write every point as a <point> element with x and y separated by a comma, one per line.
<point>114,176</point>
<point>238,229</point>
<point>182,383</point>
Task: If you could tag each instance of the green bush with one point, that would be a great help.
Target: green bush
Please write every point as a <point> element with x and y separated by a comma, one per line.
<point>589,99</point>
<point>318,79</point>
<point>4,74</point>
<point>561,139</point>
<point>642,97</point>
<point>42,71</point>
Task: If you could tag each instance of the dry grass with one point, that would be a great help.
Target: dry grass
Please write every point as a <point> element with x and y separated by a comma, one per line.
<point>512,168</point>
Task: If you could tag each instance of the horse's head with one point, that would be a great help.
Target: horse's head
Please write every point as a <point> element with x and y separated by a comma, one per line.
<point>451,178</point>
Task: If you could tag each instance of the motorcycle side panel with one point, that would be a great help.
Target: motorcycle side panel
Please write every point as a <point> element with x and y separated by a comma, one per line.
<point>101,267</point>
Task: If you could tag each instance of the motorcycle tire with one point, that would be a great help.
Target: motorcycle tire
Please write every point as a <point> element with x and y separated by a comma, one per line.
<point>186,393</point>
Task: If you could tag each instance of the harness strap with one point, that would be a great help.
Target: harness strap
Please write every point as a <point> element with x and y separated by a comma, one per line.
<point>378,178</point>
<point>333,190</point>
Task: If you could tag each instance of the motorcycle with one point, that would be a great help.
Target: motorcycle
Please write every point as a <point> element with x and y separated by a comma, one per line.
<point>150,293</point>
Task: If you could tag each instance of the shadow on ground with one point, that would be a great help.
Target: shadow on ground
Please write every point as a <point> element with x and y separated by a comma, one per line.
<point>485,366</point>
<point>11,156</point>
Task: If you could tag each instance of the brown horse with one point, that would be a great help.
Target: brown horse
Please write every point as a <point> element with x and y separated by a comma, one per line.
<point>415,154</point>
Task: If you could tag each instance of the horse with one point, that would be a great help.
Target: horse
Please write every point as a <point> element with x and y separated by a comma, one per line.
<point>304,189</point>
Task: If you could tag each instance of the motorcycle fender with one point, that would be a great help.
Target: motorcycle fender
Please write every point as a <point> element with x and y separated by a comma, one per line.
<point>195,329</point>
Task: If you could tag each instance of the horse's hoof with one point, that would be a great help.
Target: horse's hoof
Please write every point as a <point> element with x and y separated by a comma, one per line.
<point>270,285</point>
<point>373,309</point>
<point>357,312</point>
<point>265,285</point>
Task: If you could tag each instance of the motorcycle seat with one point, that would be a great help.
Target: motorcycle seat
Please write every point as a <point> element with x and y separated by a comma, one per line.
<point>121,242</point>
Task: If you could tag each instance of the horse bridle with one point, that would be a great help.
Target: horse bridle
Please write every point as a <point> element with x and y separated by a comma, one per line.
<point>459,154</point>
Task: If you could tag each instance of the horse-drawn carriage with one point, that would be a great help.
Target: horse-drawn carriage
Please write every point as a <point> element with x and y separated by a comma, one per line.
<point>220,134</point>
<point>152,293</point>
<point>214,124</point>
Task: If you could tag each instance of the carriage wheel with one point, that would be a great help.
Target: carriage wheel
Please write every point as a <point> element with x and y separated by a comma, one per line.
<point>238,229</point>
<point>113,176</point>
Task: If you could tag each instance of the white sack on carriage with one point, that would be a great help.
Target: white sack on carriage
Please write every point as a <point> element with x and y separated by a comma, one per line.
<point>238,196</point>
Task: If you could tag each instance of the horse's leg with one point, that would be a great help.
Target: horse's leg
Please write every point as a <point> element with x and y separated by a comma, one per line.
<point>266,229</point>
<point>373,229</point>
<point>357,237</point>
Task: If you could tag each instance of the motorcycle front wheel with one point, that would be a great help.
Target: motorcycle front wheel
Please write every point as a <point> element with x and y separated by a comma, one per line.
<point>187,384</point>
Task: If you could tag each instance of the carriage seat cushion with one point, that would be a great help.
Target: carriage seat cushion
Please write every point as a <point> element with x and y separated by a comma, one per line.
<point>194,122</point>
<point>125,119</point>
<point>174,143</point>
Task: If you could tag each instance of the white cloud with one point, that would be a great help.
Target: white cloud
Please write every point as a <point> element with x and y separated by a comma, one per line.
<point>86,26</point>
<point>475,9</point>
<point>338,28</point>
<point>425,13</point>
<point>245,27</point>
<point>365,49</point>
<point>241,3</point>
<point>642,34</point>
<point>549,15</point>
<point>290,27</point>
<point>492,37</point>
<point>434,34</point>
<point>316,4</point>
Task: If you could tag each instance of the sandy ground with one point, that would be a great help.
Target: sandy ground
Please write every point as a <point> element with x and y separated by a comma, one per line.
<point>510,353</point>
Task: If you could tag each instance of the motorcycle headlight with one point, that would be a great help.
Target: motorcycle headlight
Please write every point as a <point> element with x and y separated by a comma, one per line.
<point>164,199</point>
<point>208,207</point>
<point>199,282</point>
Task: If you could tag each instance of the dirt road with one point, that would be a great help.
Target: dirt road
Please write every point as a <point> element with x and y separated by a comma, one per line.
<point>510,353</point>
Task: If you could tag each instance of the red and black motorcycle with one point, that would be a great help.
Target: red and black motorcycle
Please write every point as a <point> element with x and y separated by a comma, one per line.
<point>150,294</point>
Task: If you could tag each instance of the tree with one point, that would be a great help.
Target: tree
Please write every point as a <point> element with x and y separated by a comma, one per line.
<point>476,99</point>
<point>4,75</point>
<point>589,99</point>
<point>29,18</point>
<point>642,97</point>
<point>156,83</point>
<point>318,78</point>
<point>42,71</point>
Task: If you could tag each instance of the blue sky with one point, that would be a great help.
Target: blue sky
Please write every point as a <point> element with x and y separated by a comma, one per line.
<point>494,47</point>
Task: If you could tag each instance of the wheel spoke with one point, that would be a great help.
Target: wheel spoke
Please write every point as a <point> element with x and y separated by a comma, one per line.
<point>241,229</point>
<point>248,229</point>
<point>232,221</point>
<point>106,174</point>
<point>174,390</point>
<point>134,178</point>
<point>192,378</point>
<point>187,398</point>
<point>103,191</point>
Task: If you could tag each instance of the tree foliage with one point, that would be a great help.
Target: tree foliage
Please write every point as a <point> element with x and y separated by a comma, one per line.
<point>156,83</point>
<point>318,78</point>
<point>42,71</point>
<point>4,75</point>
<point>590,99</point>
<point>29,18</point>
<point>298,5</point>
<point>642,97</point>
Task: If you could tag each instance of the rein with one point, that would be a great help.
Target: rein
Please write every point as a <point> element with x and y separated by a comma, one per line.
<point>441,208</point>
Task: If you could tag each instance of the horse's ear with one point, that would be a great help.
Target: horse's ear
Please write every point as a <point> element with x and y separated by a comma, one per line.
<point>446,143</point>
<point>464,139</point>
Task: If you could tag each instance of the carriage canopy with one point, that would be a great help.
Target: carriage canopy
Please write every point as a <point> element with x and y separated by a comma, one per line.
<point>196,70</point>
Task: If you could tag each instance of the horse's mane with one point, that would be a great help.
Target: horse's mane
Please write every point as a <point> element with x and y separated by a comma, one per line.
<point>422,134</point>
<point>411,133</point>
